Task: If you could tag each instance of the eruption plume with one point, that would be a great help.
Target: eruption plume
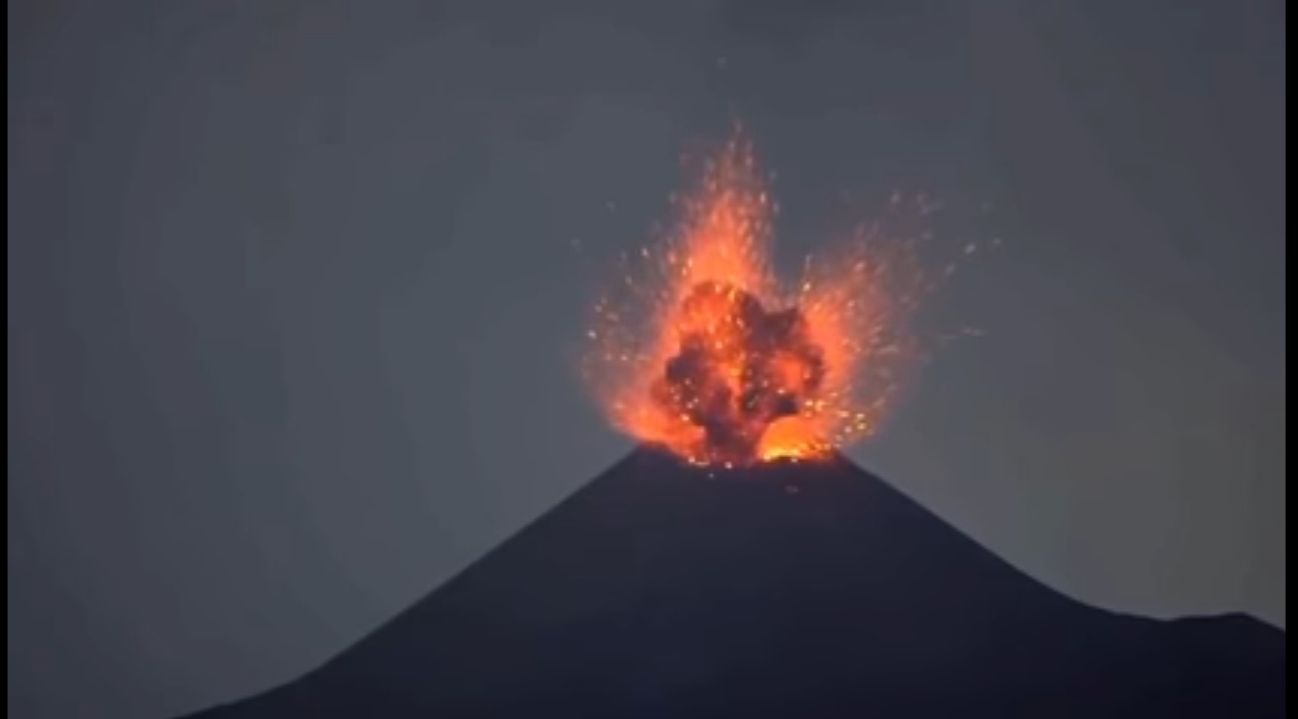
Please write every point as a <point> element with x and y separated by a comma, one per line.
<point>705,353</point>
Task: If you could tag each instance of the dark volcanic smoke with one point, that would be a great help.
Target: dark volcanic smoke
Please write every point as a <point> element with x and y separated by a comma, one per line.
<point>739,368</point>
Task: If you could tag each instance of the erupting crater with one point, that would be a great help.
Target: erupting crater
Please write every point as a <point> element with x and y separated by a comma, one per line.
<point>703,351</point>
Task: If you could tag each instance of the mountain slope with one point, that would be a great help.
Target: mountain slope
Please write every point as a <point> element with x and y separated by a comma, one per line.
<point>786,590</point>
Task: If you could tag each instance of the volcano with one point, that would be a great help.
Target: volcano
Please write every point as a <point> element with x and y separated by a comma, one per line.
<point>808,589</point>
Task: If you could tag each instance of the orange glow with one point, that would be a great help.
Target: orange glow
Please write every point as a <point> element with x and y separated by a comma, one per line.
<point>710,357</point>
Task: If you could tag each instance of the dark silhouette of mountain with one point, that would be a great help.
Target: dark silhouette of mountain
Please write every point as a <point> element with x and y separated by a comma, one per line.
<point>790,590</point>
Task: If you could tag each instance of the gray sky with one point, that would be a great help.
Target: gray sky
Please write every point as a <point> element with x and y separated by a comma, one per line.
<point>296,292</point>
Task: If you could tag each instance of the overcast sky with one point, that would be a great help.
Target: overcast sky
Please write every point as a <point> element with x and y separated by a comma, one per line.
<point>296,291</point>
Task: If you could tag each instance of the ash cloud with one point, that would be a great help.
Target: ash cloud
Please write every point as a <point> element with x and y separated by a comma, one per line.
<point>739,368</point>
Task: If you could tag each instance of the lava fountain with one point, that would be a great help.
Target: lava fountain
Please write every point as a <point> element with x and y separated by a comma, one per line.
<point>703,351</point>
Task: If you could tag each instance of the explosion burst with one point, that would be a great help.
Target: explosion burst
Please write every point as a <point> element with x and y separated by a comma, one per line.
<point>705,353</point>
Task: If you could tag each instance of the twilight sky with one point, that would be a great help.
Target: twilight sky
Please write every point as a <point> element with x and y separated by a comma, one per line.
<point>296,292</point>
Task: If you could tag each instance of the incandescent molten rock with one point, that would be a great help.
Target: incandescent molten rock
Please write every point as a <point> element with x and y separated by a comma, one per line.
<point>739,369</point>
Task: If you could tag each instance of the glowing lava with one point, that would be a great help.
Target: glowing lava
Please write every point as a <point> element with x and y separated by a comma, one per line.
<point>708,356</point>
